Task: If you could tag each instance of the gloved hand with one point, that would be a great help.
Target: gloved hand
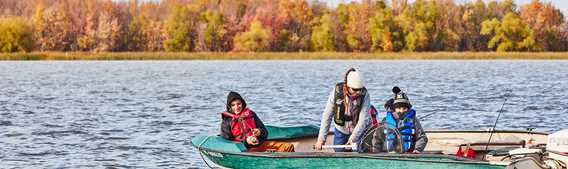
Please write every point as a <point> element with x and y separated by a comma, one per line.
<point>252,140</point>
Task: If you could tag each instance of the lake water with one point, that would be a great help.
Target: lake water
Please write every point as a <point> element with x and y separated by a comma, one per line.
<point>142,114</point>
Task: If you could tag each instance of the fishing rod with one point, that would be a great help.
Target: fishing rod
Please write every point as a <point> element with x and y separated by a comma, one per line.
<point>497,120</point>
<point>427,115</point>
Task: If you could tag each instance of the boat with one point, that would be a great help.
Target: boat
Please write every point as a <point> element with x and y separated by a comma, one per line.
<point>442,151</point>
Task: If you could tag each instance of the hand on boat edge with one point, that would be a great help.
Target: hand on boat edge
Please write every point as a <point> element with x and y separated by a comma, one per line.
<point>319,144</point>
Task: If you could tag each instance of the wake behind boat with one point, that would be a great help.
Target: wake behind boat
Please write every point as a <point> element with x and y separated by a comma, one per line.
<point>465,149</point>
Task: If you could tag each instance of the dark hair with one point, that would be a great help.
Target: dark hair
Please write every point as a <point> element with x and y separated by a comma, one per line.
<point>234,96</point>
<point>345,79</point>
<point>401,104</point>
<point>347,73</point>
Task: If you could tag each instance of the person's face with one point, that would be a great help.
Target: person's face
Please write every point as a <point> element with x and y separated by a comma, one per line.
<point>355,92</point>
<point>237,106</point>
<point>401,109</point>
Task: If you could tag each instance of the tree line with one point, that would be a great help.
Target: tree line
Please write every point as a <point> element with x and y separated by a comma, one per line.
<point>280,25</point>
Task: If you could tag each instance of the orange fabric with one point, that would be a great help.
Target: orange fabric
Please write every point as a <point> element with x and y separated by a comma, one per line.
<point>273,146</point>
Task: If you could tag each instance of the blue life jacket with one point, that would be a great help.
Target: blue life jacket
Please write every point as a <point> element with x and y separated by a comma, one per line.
<point>400,134</point>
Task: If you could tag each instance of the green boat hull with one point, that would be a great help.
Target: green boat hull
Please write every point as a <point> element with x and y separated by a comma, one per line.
<point>321,160</point>
<point>229,154</point>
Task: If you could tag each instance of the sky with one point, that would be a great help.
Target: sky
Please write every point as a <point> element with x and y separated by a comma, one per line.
<point>561,4</point>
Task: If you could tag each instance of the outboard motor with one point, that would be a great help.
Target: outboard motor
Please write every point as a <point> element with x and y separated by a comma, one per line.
<point>557,147</point>
<point>556,156</point>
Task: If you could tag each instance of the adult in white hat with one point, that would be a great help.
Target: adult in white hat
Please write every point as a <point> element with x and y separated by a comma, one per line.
<point>348,105</point>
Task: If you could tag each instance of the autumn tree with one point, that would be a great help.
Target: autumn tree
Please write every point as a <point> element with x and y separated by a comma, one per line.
<point>448,26</point>
<point>110,29</point>
<point>211,31</point>
<point>136,33</point>
<point>179,29</point>
<point>17,35</point>
<point>386,34</point>
<point>418,23</point>
<point>257,39</point>
<point>274,17</point>
<point>152,26</point>
<point>545,21</point>
<point>298,30</point>
<point>87,39</point>
<point>292,25</point>
<point>53,29</point>
<point>473,15</point>
<point>323,37</point>
<point>509,34</point>
<point>354,20</point>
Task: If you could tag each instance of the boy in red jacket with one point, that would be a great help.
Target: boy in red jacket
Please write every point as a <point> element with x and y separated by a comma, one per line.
<point>239,123</point>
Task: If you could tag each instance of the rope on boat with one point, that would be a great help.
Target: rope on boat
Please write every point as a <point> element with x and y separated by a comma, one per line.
<point>559,163</point>
<point>201,153</point>
<point>369,133</point>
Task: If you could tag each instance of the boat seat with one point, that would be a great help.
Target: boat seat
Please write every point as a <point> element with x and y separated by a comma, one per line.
<point>501,151</point>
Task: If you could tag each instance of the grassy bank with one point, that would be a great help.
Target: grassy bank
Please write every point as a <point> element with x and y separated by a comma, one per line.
<point>275,55</point>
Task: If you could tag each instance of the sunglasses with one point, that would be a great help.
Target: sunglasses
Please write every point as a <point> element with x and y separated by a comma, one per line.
<point>356,90</point>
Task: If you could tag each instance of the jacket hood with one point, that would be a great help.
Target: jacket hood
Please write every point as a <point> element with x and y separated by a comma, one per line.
<point>231,97</point>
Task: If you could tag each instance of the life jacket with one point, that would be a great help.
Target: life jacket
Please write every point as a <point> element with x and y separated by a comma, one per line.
<point>241,124</point>
<point>400,134</point>
<point>339,106</point>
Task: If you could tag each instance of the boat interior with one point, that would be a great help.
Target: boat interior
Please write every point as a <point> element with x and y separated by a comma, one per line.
<point>451,142</point>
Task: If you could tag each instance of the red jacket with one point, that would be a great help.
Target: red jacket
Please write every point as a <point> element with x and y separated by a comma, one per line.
<point>241,124</point>
<point>232,129</point>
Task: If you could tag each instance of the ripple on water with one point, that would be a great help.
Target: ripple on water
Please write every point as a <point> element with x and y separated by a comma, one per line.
<point>161,123</point>
<point>171,96</point>
<point>5,123</point>
<point>51,125</point>
<point>42,153</point>
<point>116,138</point>
<point>141,115</point>
<point>59,133</point>
<point>527,108</point>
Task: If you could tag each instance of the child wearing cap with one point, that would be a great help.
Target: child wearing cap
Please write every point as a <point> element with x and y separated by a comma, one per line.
<point>401,131</point>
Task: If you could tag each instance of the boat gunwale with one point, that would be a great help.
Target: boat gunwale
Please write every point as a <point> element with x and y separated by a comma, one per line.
<point>486,131</point>
<point>382,156</point>
<point>558,153</point>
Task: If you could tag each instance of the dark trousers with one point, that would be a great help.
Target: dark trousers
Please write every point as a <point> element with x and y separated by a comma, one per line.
<point>340,139</point>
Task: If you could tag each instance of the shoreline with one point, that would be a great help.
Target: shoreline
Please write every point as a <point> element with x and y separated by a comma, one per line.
<point>284,56</point>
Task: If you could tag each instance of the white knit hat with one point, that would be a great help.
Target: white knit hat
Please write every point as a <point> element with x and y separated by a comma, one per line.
<point>354,80</point>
